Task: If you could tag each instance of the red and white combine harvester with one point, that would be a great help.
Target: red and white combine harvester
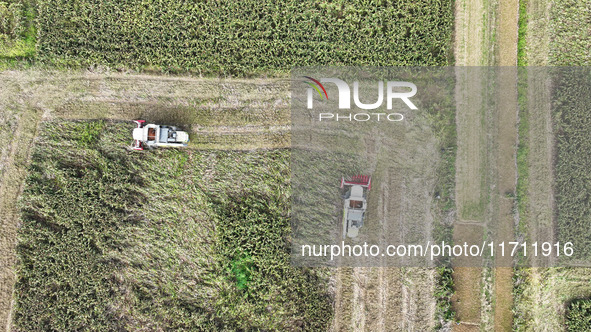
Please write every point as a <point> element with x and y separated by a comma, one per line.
<point>152,136</point>
<point>355,197</point>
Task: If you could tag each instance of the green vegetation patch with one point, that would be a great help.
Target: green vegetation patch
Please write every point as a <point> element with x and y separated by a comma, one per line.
<point>522,34</point>
<point>578,317</point>
<point>520,272</point>
<point>114,239</point>
<point>240,38</point>
<point>17,29</point>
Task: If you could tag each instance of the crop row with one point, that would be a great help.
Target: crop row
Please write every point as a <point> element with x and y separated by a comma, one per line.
<point>237,38</point>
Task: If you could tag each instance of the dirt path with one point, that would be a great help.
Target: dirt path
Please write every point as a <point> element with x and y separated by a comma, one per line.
<point>507,144</point>
<point>470,46</point>
<point>486,34</point>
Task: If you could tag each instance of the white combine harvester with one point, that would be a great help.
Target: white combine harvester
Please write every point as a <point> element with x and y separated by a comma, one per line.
<point>152,136</point>
<point>355,203</point>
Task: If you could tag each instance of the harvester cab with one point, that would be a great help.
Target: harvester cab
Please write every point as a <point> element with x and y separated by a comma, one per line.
<point>152,136</point>
<point>355,203</point>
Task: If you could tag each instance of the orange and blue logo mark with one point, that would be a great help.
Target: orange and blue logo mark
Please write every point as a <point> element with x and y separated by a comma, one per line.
<point>316,86</point>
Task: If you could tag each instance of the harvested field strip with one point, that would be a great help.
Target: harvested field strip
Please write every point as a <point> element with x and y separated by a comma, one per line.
<point>343,299</point>
<point>394,298</point>
<point>227,114</point>
<point>221,114</point>
<point>472,48</point>
<point>261,139</point>
<point>212,116</point>
<point>188,101</point>
<point>384,299</point>
<point>472,177</point>
<point>467,281</point>
<point>206,102</point>
<point>472,196</point>
<point>535,196</point>
<point>471,193</point>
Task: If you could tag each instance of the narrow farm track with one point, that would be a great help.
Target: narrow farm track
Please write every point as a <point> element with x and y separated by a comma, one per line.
<point>10,188</point>
<point>506,183</point>
<point>507,166</point>
<point>476,22</point>
<point>470,160</point>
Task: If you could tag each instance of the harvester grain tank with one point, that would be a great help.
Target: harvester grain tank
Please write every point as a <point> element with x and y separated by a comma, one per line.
<point>355,203</point>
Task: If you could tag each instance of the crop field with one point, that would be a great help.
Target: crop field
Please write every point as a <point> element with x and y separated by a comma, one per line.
<point>572,124</point>
<point>137,222</point>
<point>166,240</point>
<point>18,128</point>
<point>198,239</point>
<point>72,139</point>
<point>238,38</point>
<point>249,107</point>
<point>570,38</point>
<point>579,316</point>
<point>555,134</point>
<point>571,127</point>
